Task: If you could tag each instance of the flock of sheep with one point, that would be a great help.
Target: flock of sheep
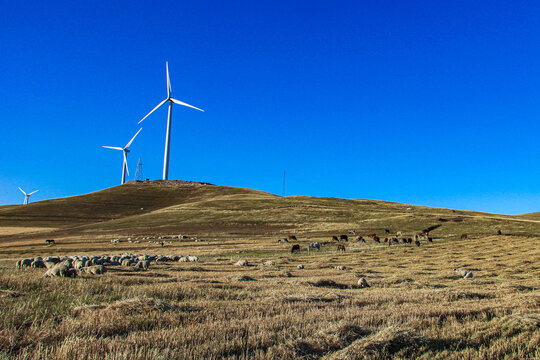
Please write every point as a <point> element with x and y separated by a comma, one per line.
<point>398,238</point>
<point>72,266</point>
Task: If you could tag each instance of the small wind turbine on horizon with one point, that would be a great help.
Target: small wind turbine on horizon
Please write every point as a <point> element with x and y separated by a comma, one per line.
<point>27,196</point>
<point>169,118</point>
<point>125,150</point>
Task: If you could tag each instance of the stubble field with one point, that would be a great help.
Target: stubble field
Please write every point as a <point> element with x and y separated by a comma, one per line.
<point>416,305</point>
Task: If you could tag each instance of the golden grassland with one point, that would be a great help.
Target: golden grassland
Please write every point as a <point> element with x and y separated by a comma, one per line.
<point>416,307</point>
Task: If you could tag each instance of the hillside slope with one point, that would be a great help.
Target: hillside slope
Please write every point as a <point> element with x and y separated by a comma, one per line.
<point>129,199</point>
<point>186,207</point>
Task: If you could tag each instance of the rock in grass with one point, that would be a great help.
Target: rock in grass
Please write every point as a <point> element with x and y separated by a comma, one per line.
<point>245,278</point>
<point>362,283</point>
<point>465,273</point>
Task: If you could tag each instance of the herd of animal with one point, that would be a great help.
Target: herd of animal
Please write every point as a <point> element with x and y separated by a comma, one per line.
<point>396,239</point>
<point>72,266</point>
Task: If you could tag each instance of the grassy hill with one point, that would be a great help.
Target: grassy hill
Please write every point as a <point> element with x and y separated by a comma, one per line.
<point>174,206</point>
<point>132,198</point>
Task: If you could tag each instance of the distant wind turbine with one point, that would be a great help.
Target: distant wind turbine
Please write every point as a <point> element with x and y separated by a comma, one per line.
<point>125,150</point>
<point>27,196</point>
<point>168,135</point>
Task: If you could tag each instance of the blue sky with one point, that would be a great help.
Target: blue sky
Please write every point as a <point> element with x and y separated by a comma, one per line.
<point>431,103</point>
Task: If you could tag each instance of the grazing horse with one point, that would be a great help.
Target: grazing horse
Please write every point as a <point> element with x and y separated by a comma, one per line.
<point>314,246</point>
<point>341,247</point>
<point>417,243</point>
<point>385,239</point>
<point>372,235</point>
<point>409,240</point>
<point>360,238</point>
<point>344,238</point>
<point>376,239</point>
<point>352,232</point>
<point>399,234</point>
<point>295,248</point>
<point>463,236</point>
<point>430,239</point>
<point>335,238</point>
<point>50,242</point>
<point>292,237</point>
<point>387,231</point>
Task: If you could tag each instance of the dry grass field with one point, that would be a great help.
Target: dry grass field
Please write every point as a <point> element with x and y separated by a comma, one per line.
<point>416,307</point>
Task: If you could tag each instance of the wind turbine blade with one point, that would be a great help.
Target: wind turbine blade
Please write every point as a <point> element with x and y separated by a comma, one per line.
<point>113,147</point>
<point>133,138</point>
<point>33,192</point>
<point>125,163</point>
<point>185,104</point>
<point>169,90</point>
<point>154,109</point>
<point>22,191</point>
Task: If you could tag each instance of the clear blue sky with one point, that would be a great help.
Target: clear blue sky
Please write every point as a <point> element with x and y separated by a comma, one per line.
<point>426,102</point>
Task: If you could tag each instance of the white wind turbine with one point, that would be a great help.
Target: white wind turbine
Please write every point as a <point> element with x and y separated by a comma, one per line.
<point>168,135</point>
<point>27,196</point>
<point>125,150</point>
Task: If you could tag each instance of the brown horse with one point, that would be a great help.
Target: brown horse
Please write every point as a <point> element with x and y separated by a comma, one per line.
<point>341,247</point>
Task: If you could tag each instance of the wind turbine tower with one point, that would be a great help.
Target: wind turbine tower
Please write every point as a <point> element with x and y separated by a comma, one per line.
<point>170,100</point>
<point>125,150</point>
<point>27,196</point>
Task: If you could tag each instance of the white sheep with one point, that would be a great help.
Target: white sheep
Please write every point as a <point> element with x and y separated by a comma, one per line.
<point>142,265</point>
<point>23,263</point>
<point>94,270</point>
<point>61,270</point>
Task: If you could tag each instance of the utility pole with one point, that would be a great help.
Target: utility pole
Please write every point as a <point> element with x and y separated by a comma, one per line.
<point>284,179</point>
